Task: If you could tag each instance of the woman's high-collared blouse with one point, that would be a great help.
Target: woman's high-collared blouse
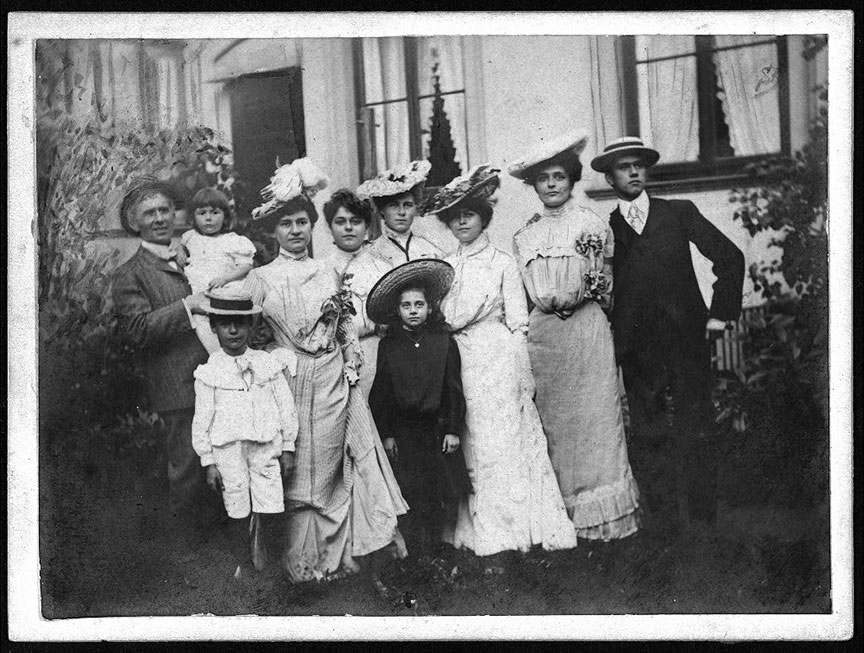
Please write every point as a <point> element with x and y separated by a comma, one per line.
<point>551,254</point>
<point>486,287</point>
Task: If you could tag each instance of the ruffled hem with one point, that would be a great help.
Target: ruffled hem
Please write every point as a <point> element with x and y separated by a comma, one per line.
<point>616,530</point>
<point>606,512</point>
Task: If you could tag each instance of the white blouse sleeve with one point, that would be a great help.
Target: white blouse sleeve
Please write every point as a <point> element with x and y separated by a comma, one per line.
<point>515,306</point>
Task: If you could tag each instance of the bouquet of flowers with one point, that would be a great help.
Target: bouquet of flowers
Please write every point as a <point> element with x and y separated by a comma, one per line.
<point>595,285</point>
<point>591,246</point>
<point>339,304</point>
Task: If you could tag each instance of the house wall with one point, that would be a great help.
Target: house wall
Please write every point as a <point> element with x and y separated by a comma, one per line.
<point>519,92</point>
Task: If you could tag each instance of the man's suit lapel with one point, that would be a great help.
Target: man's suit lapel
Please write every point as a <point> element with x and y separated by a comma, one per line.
<point>159,263</point>
<point>656,215</point>
<point>625,230</point>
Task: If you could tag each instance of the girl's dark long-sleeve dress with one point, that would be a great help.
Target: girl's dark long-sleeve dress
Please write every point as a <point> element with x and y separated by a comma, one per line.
<point>417,399</point>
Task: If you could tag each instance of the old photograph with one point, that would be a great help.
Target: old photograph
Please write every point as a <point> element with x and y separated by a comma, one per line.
<point>436,320</point>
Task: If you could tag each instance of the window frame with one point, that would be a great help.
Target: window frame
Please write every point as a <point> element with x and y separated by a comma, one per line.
<point>365,146</point>
<point>710,171</point>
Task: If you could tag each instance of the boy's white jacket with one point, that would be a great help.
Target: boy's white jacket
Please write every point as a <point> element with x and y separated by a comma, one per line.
<point>244,397</point>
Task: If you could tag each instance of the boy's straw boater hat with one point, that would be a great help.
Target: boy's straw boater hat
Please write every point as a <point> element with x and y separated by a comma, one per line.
<point>432,274</point>
<point>395,181</point>
<point>573,142</point>
<point>220,301</point>
<point>627,145</point>
<point>480,183</point>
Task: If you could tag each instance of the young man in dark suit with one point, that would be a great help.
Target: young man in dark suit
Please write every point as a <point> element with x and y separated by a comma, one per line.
<point>662,331</point>
<point>154,305</point>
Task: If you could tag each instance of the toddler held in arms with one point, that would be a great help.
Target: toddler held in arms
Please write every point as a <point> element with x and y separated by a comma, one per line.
<point>216,256</point>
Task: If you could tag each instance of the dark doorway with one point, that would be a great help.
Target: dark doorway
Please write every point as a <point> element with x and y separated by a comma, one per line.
<point>266,123</point>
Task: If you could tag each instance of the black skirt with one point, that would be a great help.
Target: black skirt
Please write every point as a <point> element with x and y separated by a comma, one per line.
<point>423,471</point>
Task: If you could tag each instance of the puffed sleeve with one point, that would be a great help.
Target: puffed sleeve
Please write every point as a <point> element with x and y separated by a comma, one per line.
<point>186,237</point>
<point>381,395</point>
<point>205,408</point>
<point>139,325</point>
<point>287,411</point>
<point>728,264</point>
<point>451,418</point>
<point>242,251</point>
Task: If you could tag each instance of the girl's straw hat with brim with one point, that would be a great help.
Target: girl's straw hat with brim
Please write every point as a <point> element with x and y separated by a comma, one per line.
<point>628,145</point>
<point>432,274</point>
<point>573,142</point>
<point>399,179</point>
<point>480,182</point>
<point>229,302</point>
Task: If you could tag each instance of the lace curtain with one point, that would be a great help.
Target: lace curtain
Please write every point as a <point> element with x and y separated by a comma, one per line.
<point>748,79</point>
<point>668,103</point>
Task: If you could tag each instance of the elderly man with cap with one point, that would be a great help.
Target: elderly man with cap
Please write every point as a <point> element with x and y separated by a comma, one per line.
<point>154,305</point>
<point>662,327</point>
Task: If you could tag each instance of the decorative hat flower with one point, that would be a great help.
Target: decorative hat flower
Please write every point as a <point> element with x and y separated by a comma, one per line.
<point>300,177</point>
<point>481,182</point>
<point>396,180</point>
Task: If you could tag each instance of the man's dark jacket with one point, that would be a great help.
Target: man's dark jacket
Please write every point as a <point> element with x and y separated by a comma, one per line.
<point>152,321</point>
<point>659,314</point>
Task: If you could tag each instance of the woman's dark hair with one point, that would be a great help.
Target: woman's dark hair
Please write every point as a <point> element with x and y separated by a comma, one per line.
<point>211,197</point>
<point>435,319</point>
<point>477,204</point>
<point>299,203</point>
<point>344,198</point>
<point>381,202</point>
<point>567,160</point>
<point>139,190</point>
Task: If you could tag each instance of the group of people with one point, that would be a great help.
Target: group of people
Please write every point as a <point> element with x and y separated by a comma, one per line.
<point>404,397</point>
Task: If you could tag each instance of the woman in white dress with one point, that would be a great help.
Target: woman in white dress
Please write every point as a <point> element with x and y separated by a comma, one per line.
<point>516,503</point>
<point>565,257</point>
<point>342,500</point>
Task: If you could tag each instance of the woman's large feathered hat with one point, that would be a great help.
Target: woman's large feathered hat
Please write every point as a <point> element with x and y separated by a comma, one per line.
<point>573,142</point>
<point>395,181</point>
<point>434,275</point>
<point>480,182</point>
<point>300,177</point>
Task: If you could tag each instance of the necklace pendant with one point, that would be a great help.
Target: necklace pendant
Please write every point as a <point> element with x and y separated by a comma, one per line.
<point>416,344</point>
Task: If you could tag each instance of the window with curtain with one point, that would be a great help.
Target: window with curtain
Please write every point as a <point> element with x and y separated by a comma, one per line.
<point>411,104</point>
<point>709,104</point>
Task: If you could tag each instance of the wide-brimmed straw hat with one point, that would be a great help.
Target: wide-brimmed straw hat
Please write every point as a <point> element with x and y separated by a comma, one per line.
<point>433,274</point>
<point>395,181</point>
<point>573,142</point>
<point>627,145</point>
<point>221,301</point>
<point>300,177</point>
<point>480,182</point>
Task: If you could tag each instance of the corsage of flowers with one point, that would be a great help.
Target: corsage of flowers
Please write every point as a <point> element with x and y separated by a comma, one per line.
<point>591,246</point>
<point>300,177</point>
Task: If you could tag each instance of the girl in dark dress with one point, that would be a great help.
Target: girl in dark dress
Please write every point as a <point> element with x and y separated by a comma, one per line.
<point>416,398</point>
